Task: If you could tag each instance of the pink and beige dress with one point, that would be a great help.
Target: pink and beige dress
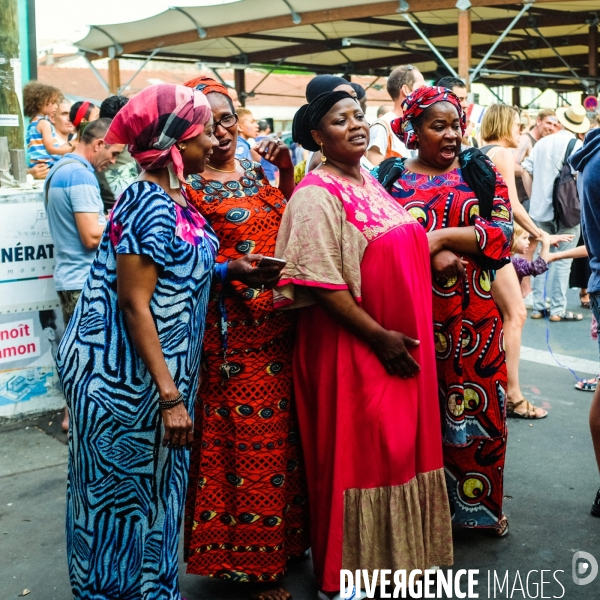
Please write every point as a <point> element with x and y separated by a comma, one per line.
<point>372,441</point>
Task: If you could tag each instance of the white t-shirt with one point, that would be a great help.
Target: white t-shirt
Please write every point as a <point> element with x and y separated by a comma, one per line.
<point>544,163</point>
<point>380,135</point>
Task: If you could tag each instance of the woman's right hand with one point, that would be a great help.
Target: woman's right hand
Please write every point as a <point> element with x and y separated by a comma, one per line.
<point>179,429</point>
<point>446,265</point>
<point>249,271</point>
<point>391,348</point>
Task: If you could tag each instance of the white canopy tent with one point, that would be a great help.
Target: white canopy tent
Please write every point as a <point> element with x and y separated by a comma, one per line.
<point>548,43</point>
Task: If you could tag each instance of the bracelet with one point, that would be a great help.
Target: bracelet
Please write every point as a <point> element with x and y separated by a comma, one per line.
<point>166,404</point>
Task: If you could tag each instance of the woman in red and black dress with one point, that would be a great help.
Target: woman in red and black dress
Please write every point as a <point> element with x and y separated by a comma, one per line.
<point>467,324</point>
<point>246,512</point>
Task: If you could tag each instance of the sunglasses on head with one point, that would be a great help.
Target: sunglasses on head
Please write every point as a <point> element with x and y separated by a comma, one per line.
<point>408,68</point>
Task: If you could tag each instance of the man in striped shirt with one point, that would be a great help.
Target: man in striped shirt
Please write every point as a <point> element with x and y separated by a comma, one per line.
<point>75,211</point>
<point>76,214</point>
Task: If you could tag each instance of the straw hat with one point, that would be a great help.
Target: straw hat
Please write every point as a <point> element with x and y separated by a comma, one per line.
<point>573,118</point>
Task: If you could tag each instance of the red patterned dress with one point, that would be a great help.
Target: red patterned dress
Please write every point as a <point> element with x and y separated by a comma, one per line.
<point>246,511</point>
<point>469,345</point>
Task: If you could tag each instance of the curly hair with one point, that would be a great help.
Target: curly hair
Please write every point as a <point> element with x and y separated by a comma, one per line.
<point>36,95</point>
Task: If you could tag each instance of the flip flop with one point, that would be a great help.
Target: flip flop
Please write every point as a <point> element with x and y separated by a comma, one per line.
<point>568,316</point>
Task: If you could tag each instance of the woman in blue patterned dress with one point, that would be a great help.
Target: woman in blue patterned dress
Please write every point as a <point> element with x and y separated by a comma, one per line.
<point>130,356</point>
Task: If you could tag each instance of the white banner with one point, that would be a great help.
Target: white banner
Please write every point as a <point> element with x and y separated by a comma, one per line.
<point>17,341</point>
<point>28,377</point>
<point>26,259</point>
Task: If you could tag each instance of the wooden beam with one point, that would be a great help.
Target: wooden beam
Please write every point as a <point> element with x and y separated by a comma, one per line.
<point>401,35</point>
<point>283,21</point>
<point>464,45</point>
<point>239,76</point>
<point>114,76</point>
<point>516,95</point>
<point>593,51</point>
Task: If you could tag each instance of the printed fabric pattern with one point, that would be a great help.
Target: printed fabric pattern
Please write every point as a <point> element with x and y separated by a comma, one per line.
<point>246,511</point>
<point>469,344</point>
<point>125,492</point>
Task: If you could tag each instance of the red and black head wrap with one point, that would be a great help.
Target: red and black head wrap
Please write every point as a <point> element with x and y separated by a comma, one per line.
<point>207,85</point>
<point>416,104</point>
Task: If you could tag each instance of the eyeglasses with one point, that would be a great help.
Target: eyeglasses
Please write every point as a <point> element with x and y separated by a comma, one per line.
<point>408,68</point>
<point>227,121</point>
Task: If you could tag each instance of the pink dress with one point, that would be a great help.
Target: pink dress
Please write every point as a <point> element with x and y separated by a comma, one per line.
<point>372,441</point>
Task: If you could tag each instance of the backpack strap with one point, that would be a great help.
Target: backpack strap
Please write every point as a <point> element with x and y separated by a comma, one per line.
<point>389,171</point>
<point>478,172</point>
<point>60,164</point>
<point>390,138</point>
<point>569,150</point>
<point>488,147</point>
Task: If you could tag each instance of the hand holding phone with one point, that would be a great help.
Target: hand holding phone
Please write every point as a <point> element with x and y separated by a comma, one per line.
<point>268,261</point>
<point>257,271</point>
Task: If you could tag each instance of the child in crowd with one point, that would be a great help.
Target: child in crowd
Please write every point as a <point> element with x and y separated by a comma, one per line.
<point>520,244</point>
<point>247,131</point>
<point>40,103</point>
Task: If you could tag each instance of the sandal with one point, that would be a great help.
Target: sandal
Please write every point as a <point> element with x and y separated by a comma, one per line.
<point>587,385</point>
<point>540,314</point>
<point>501,530</point>
<point>529,414</point>
<point>568,316</point>
<point>584,303</point>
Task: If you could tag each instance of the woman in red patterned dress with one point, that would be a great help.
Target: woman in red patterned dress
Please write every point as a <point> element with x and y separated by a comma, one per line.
<point>464,244</point>
<point>246,512</point>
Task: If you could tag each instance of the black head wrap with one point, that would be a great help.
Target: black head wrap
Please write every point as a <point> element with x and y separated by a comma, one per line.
<point>309,116</point>
<point>321,84</point>
<point>359,89</point>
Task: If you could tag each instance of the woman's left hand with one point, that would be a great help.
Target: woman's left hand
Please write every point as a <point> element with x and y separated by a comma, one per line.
<point>446,265</point>
<point>249,271</point>
<point>276,152</point>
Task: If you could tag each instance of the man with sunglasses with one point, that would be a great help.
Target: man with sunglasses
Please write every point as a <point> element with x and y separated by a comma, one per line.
<point>403,80</point>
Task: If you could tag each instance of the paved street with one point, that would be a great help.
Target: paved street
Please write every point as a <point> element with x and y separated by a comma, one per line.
<point>551,479</point>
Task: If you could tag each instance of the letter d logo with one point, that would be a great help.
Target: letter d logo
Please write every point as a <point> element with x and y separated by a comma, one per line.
<point>585,571</point>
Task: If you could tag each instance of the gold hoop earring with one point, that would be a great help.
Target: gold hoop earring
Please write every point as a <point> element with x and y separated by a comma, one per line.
<point>323,157</point>
<point>182,147</point>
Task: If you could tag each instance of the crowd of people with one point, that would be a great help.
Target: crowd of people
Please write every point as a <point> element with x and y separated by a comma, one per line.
<point>278,354</point>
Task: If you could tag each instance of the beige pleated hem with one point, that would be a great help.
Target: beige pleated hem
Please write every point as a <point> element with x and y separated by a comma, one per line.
<point>398,527</point>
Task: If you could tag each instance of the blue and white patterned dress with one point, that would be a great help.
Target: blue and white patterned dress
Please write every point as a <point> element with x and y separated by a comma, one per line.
<point>126,493</point>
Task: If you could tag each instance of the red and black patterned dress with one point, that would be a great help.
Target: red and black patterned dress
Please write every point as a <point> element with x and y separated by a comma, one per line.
<point>246,511</point>
<point>469,346</point>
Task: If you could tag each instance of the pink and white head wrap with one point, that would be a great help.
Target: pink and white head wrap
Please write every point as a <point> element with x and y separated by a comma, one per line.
<point>155,119</point>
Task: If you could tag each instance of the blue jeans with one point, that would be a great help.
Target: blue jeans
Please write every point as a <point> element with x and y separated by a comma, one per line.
<point>595,306</point>
<point>557,276</point>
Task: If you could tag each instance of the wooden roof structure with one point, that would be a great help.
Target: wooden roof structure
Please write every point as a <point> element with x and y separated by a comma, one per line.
<point>545,43</point>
